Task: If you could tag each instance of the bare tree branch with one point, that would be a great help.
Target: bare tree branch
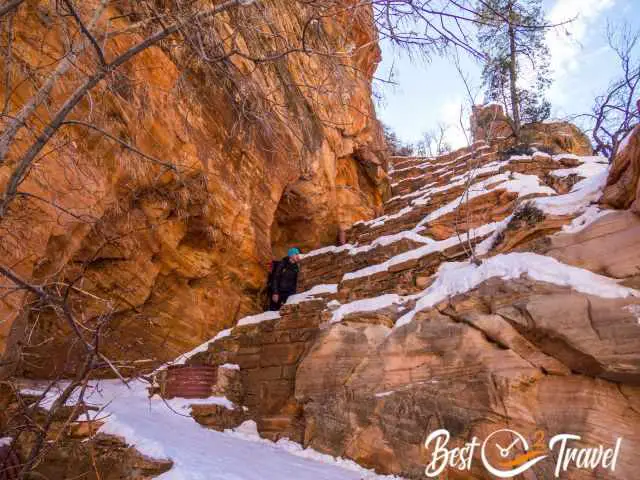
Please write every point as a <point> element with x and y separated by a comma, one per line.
<point>9,6</point>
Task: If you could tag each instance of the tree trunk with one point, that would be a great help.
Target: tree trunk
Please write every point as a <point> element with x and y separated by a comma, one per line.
<point>513,74</point>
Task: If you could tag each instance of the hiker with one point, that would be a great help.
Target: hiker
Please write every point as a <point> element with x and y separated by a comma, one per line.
<point>284,279</point>
<point>271,267</point>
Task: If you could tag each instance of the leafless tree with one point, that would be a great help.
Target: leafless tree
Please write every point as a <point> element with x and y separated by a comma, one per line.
<point>434,141</point>
<point>615,112</point>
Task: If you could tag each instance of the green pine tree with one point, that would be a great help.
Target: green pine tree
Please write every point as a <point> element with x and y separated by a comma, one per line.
<point>511,34</point>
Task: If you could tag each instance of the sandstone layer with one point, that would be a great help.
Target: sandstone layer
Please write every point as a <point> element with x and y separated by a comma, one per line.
<point>490,123</point>
<point>623,185</point>
<point>241,159</point>
<point>388,343</point>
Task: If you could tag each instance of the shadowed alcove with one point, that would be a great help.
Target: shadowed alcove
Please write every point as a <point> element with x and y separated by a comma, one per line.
<point>301,219</point>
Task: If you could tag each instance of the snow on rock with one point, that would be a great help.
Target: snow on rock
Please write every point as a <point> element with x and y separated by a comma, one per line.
<point>230,366</point>
<point>378,242</point>
<point>515,182</point>
<point>456,181</point>
<point>421,166</point>
<point>421,191</point>
<point>259,318</point>
<point>433,246</point>
<point>221,334</point>
<point>378,222</point>
<point>578,199</point>
<point>329,249</point>
<point>181,360</point>
<point>333,304</point>
<point>589,167</point>
<point>203,347</point>
<point>184,404</point>
<point>248,430</point>
<point>390,239</point>
<point>590,215</point>
<point>5,441</point>
<point>163,429</point>
<point>484,247</point>
<point>385,394</point>
<point>366,305</point>
<point>311,293</point>
<point>454,278</point>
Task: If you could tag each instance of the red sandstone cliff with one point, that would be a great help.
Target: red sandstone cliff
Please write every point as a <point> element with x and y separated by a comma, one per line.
<point>267,154</point>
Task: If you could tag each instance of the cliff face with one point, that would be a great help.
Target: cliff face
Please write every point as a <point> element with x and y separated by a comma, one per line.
<point>489,123</point>
<point>623,185</point>
<point>400,333</point>
<point>266,155</point>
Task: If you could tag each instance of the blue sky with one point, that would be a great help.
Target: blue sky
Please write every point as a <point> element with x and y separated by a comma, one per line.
<point>583,65</point>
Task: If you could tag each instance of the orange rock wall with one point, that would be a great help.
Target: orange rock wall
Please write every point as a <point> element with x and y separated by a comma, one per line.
<point>173,257</point>
<point>489,123</point>
<point>623,184</point>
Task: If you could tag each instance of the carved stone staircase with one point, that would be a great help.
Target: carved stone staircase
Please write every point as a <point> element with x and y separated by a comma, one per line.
<point>268,353</point>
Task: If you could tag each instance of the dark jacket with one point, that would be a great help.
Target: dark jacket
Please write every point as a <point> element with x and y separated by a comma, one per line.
<point>285,277</point>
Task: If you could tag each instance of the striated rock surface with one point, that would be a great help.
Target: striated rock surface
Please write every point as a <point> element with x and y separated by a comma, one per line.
<point>174,256</point>
<point>489,123</point>
<point>399,334</point>
<point>623,186</point>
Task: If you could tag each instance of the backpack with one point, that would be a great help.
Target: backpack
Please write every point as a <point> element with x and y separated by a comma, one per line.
<point>272,271</point>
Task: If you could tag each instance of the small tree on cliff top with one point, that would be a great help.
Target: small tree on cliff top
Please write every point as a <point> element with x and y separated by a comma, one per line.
<point>396,147</point>
<point>511,35</point>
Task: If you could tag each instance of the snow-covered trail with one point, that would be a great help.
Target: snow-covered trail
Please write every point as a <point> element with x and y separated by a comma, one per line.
<point>164,430</point>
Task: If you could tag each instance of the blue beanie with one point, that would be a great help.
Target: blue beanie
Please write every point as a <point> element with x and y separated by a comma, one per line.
<point>293,251</point>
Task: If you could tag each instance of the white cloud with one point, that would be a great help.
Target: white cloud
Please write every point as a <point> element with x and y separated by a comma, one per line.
<point>450,116</point>
<point>566,42</point>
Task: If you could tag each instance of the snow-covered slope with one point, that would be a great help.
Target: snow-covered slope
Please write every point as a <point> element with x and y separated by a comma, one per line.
<point>403,328</point>
<point>163,429</point>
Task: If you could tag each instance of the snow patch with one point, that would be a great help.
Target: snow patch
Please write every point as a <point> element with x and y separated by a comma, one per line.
<point>249,431</point>
<point>590,215</point>
<point>333,304</point>
<point>484,247</point>
<point>578,199</point>
<point>329,249</point>
<point>514,182</point>
<point>589,167</point>
<point>433,246</point>
<point>230,366</point>
<point>180,360</point>
<point>164,429</point>
<point>259,318</point>
<point>222,334</point>
<point>366,305</point>
<point>385,394</point>
<point>311,293</point>
<point>454,278</point>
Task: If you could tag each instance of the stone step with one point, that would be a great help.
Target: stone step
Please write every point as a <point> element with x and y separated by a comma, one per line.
<point>330,267</point>
<point>405,278</point>
<point>399,163</point>
<point>412,171</point>
<point>267,354</point>
<point>366,232</point>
